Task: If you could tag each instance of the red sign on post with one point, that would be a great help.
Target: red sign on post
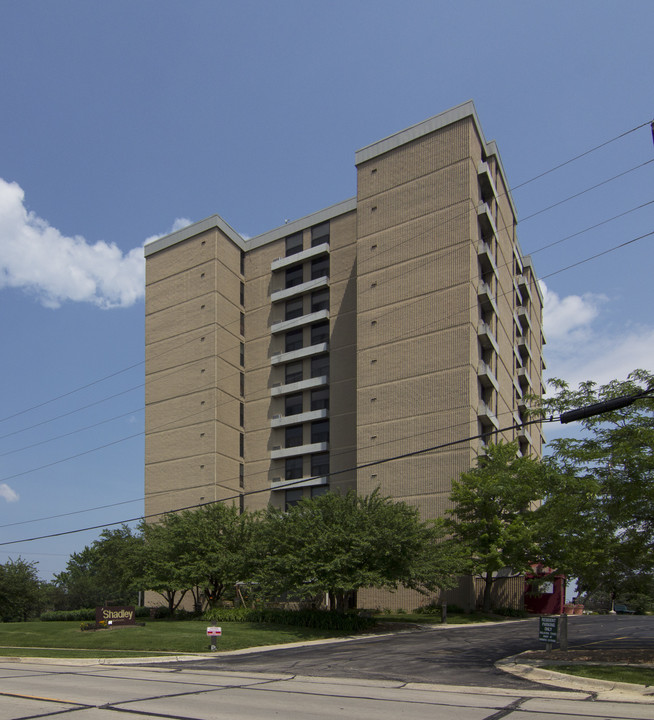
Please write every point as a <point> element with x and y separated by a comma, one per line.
<point>213,631</point>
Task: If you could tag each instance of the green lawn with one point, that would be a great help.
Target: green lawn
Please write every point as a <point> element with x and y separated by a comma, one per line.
<point>157,637</point>
<point>614,673</point>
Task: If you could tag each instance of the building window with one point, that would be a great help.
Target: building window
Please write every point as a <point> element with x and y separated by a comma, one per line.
<point>320,431</point>
<point>241,475</point>
<point>242,354</point>
<point>320,399</point>
<point>242,263</point>
<point>242,293</point>
<point>320,300</point>
<point>320,366</point>
<point>242,328</point>
<point>293,404</point>
<point>242,383</point>
<point>241,444</point>
<point>294,276</point>
<point>293,372</point>
<point>294,308</point>
<point>293,436</point>
<point>320,333</point>
<point>293,468</point>
<point>292,497</point>
<point>319,268</point>
<point>293,340</point>
<point>320,234</point>
<point>241,504</point>
<point>241,414</point>
<point>319,490</point>
<point>320,464</point>
<point>294,244</point>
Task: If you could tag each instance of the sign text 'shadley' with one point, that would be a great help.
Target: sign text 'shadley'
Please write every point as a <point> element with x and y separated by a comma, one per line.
<point>116,615</point>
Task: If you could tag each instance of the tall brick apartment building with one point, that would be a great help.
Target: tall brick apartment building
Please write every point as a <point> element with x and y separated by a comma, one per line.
<point>324,354</point>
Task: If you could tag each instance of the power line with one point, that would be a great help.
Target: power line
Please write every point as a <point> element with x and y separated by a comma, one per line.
<point>330,474</point>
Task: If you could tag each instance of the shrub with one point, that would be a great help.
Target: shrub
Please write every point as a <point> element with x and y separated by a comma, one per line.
<point>319,619</point>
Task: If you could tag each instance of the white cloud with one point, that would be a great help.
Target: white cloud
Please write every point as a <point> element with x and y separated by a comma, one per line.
<point>582,346</point>
<point>55,268</point>
<point>6,493</point>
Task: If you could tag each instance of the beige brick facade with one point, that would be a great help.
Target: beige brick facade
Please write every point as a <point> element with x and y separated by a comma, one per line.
<point>396,322</point>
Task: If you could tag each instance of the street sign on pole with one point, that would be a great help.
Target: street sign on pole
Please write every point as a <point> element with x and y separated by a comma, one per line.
<point>548,630</point>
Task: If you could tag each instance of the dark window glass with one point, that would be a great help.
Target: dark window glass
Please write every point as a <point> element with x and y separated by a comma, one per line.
<point>293,340</point>
<point>242,388</point>
<point>320,234</point>
<point>241,504</point>
<point>319,490</point>
<point>320,399</point>
<point>241,414</point>
<point>320,300</point>
<point>293,497</point>
<point>293,372</point>
<point>319,268</point>
<point>320,366</point>
<point>241,476</point>
<point>320,431</point>
<point>294,276</point>
<point>242,323</point>
<point>320,333</point>
<point>293,404</point>
<point>293,436</point>
<point>241,444</point>
<point>319,464</point>
<point>294,308</point>
<point>242,354</point>
<point>242,293</point>
<point>242,263</point>
<point>294,244</point>
<point>293,468</point>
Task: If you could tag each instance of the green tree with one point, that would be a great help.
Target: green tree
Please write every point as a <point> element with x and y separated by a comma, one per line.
<point>495,513</point>
<point>612,457</point>
<point>213,547</point>
<point>337,544</point>
<point>161,570</point>
<point>107,571</point>
<point>21,596</point>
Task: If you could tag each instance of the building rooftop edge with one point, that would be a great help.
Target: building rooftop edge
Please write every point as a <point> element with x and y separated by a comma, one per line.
<point>214,221</point>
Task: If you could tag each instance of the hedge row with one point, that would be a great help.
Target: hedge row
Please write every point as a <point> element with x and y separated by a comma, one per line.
<point>319,619</point>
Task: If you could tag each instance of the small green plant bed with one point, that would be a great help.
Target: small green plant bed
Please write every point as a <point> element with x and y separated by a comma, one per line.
<point>613,673</point>
<point>66,639</point>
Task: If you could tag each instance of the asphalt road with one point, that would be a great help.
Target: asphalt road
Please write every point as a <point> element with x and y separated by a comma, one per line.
<point>453,655</point>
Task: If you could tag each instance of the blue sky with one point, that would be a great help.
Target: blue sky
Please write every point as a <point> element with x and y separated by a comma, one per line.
<point>122,121</point>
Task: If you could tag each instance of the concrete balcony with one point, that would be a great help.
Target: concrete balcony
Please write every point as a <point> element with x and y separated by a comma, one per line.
<point>286,293</point>
<point>487,416</point>
<point>300,321</point>
<point>309,254</point>
<point>308,449</point>
<point>282,420</point>
<point>486,221</point>
<point>486,182</point>
<point>524,348</point>
<point>487,337</point>
<point>486,259</point>
<point>284,357</point>
<point>524,378</point>
<point>279,484</point>
<point>308,384</point>
<point>486,299</point>
<point>487,376</point>
<point>523,286</point>
<point>523,317</point>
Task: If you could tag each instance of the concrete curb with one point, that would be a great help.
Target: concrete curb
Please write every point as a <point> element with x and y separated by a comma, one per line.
<point>521,666</point>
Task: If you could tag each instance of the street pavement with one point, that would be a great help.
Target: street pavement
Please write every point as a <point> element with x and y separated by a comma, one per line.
<point>438,673</point>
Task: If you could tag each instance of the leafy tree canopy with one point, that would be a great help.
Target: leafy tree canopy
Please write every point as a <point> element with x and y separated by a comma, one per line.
<point>337,544</point>
<point>21,596</point>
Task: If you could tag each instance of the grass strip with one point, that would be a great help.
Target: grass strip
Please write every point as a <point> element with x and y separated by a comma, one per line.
<point>612,673</point>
